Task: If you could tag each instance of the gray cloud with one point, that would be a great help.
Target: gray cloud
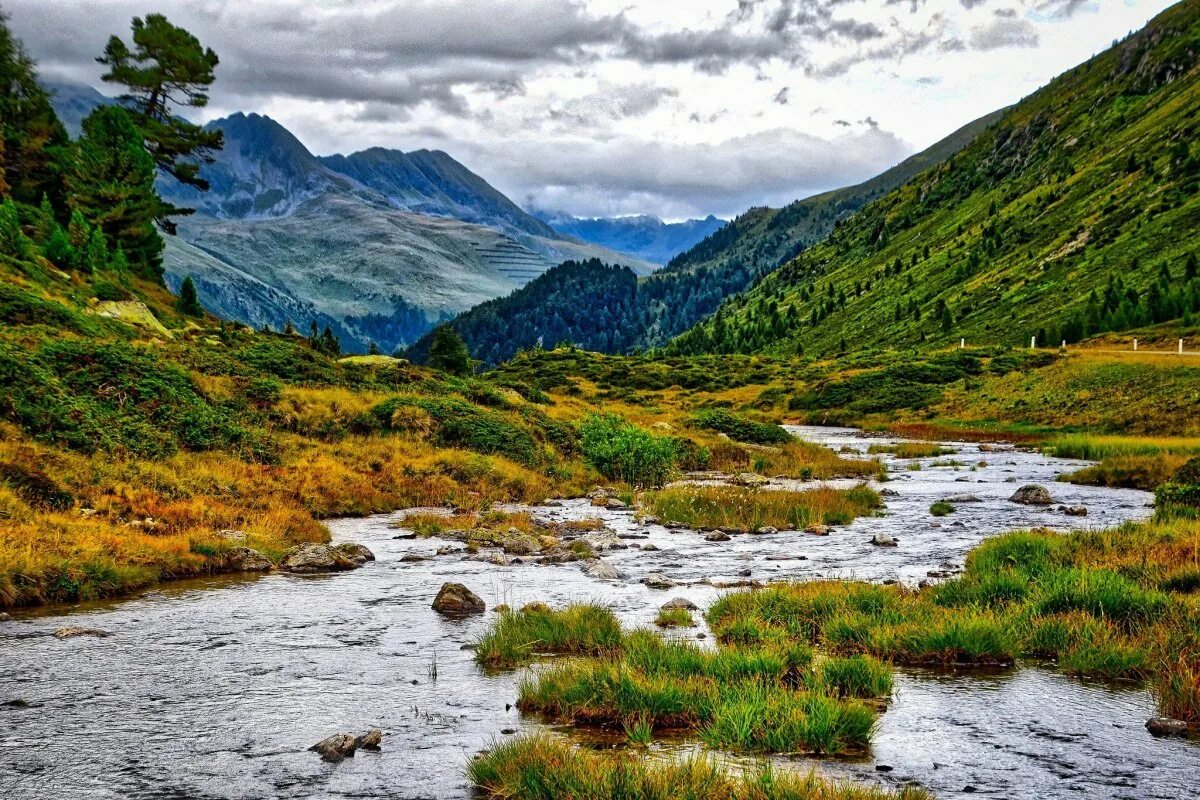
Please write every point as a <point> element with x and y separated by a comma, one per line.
<point>1004,32</point>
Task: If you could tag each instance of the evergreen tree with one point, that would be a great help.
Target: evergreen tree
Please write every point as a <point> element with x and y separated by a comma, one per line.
<point>330,345</point>
<point>448,352</point>
<point>188,302</point>
<point>112,186</point>
<point>34,146</point>
<point>58,249</point>
<point>166,67</point>
<point>13,240</point>
<point>95,254</point>
<point>1191,268</point>
<point>373,349</point>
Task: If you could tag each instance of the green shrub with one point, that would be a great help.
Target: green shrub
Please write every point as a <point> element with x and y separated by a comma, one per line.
<point>739,428</point>
<point>941,508</point>
<point>625,452</point>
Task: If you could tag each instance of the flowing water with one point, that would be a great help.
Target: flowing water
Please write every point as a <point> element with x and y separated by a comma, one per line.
<point>216,688</point>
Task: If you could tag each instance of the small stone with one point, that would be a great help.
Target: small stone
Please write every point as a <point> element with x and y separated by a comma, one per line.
<point>1032,495</point>
<point>656,580</point>
<point>766,530</point>
<point>716,536</point>
<point>243,559</point>
<point>748,479</point>
<point>1075,511</point>
<point>454,599</point>
<point>232,535</point>
<point>412,558</point>
<point>745,573</point>
<point>679,602</point>
<point>552,503</point>
<point>883,768</point>
<point>818,529</point>
<point>336,747</point>
<point>5,616</point>
<point>371,739</point>
<point>615,504</point>
<point>71,631</point>
<point>508,731</point>
<point>883,540</point>
<point>962,498</point>
<point>1165,726</point>
<point>649,548</point>
<point>602,570</point>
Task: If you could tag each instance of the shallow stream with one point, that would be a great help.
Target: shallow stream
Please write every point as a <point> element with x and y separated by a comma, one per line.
<point>216,688</point>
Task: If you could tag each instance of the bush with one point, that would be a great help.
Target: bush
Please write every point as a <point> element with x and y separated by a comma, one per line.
<point>625,452</point>
<point>739,428</point>
<point>35,487</point>
<point>457,424</point>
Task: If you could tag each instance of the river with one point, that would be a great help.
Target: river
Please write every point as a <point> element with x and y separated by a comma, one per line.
<point>216,688</point>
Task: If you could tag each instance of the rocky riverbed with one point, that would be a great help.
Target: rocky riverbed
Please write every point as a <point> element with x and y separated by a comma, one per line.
<point>218,688</point>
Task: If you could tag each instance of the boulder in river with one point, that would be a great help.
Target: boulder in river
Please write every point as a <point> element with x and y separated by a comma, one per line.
<point>312,558</point>
<point>748,479</point>
<point>243,559</point>
<point>601,540</point>
<point>371,740</point>
<point>72,631</point>
<point>818,529</point>
<point>679,602</point>
<point>883,540</point>
<point>336,747</point>
<point>456,600</point>
<point>602,570</point>
<point>656,580</point>
<point>1165,726</point>
<point>954,499</point>
<point>5,616</point>
<point>765,530</point>
<point>520,544</point>
<point>1075,511</point>
<point>1032,495</point>
<point>716,536</point>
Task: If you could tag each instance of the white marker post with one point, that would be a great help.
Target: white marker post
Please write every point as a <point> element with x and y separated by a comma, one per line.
<point>1135,345</point>
<point>962,344</point>
<point>1032,342</point>
<point>1064,344</point>
<point>1181,347</point>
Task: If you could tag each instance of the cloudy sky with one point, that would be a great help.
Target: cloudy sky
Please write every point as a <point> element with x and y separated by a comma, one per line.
<point>608,107</point>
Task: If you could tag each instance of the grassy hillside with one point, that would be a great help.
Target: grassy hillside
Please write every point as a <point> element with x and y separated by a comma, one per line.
<point>1073,215</point>
<point>692,286</point>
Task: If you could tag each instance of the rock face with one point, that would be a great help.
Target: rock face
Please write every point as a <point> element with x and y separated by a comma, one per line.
<point>71,631</point>
<point>456,600</point>
<point>1032,495</point>
<point>595,568</point>
<point>1165,726</point>
<point>243,559</point>
<point>312,558</point>
<point>679,602</point>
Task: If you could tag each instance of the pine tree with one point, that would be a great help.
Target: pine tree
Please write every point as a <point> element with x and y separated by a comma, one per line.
<point>167,67</point>
<point>13,240</point>
<point>95,254</point>
<point>58,250</point>
<point>448,352</point>
<point>330,345</point>
<point>112,186</point>
<point>188,303</point>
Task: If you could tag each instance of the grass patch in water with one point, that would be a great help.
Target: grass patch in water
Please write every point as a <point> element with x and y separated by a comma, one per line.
<point>941,508</point>
<point>913,449</point>
<point>674,618</point>
<point>542,768</point>
<point>740,508</point>
<point>518,636</point>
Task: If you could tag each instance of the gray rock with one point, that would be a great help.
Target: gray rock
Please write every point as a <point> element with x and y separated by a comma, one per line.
<point>521,544</point>
<point>716,536</point>
<point>456,600</point>
<point>243,559</point>
<point>232,535</point>
<point>679,602</point>
<point>649,548</point>
<point>312,558</point>
<point>748,479</point>
<point>883,540</point>
<point>5,616</point>
<point>336,748</point>
<point>71,631</point>
<point>601,540</point>
<point>496,559</point>
<point>552,503</point>
<point>1032,495</point>
<point>656,580</point>
<point>602,570</point>
<point>1165,726</point>
<point>818,529</point>
<point>962,498</point>
<point>1075,511</point>
<point>371,740</point>
<point>766,530</point>
<point>615,504</point>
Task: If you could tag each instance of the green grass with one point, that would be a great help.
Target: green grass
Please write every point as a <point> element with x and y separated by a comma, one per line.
<point>749,509</point>
<point>912,449</point>
<point>941,508</point>
<point>674,618</point>
<point>1097,448</point>
<point>518,636</point>
<point>739,428</point>
<point>543,768</point>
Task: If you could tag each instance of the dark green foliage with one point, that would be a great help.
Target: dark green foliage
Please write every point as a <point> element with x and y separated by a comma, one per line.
<point>21,307</point>
<point>448,352</point>
<point>166,67</point>
<point>458,423</point>
<point>624,452</point>
<point>739,428</point>
<point>35,487</point>
<point>112,186</point>
<point>189,303</point>
<point>93,396</point>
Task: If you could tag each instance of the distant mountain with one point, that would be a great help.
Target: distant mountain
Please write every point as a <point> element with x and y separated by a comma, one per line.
<point>1074,213</point>
<point>692,286</point>
<point>646,237</point>
<point>380,244</point>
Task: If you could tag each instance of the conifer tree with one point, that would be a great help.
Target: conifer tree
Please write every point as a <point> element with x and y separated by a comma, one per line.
<point>188,302</point>
<point>448,352</point>
<point>166,68</point>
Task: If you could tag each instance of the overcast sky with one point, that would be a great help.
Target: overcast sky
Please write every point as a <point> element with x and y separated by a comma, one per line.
<point>608,107</point>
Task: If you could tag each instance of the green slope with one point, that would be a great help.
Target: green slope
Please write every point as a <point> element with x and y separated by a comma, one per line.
<point>1075,213</point>
<point>668,302</point>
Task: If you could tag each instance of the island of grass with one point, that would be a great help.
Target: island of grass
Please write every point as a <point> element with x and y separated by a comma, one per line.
<point>740,508</point>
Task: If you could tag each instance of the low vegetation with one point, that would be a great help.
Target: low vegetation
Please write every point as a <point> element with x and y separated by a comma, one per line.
<point>542,768</point>
<point>747,509</point>
<point>518,637</point>
<point>912,449</point>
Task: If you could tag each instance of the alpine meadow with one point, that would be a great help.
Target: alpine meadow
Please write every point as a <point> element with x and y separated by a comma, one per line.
<point>805,406</point>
